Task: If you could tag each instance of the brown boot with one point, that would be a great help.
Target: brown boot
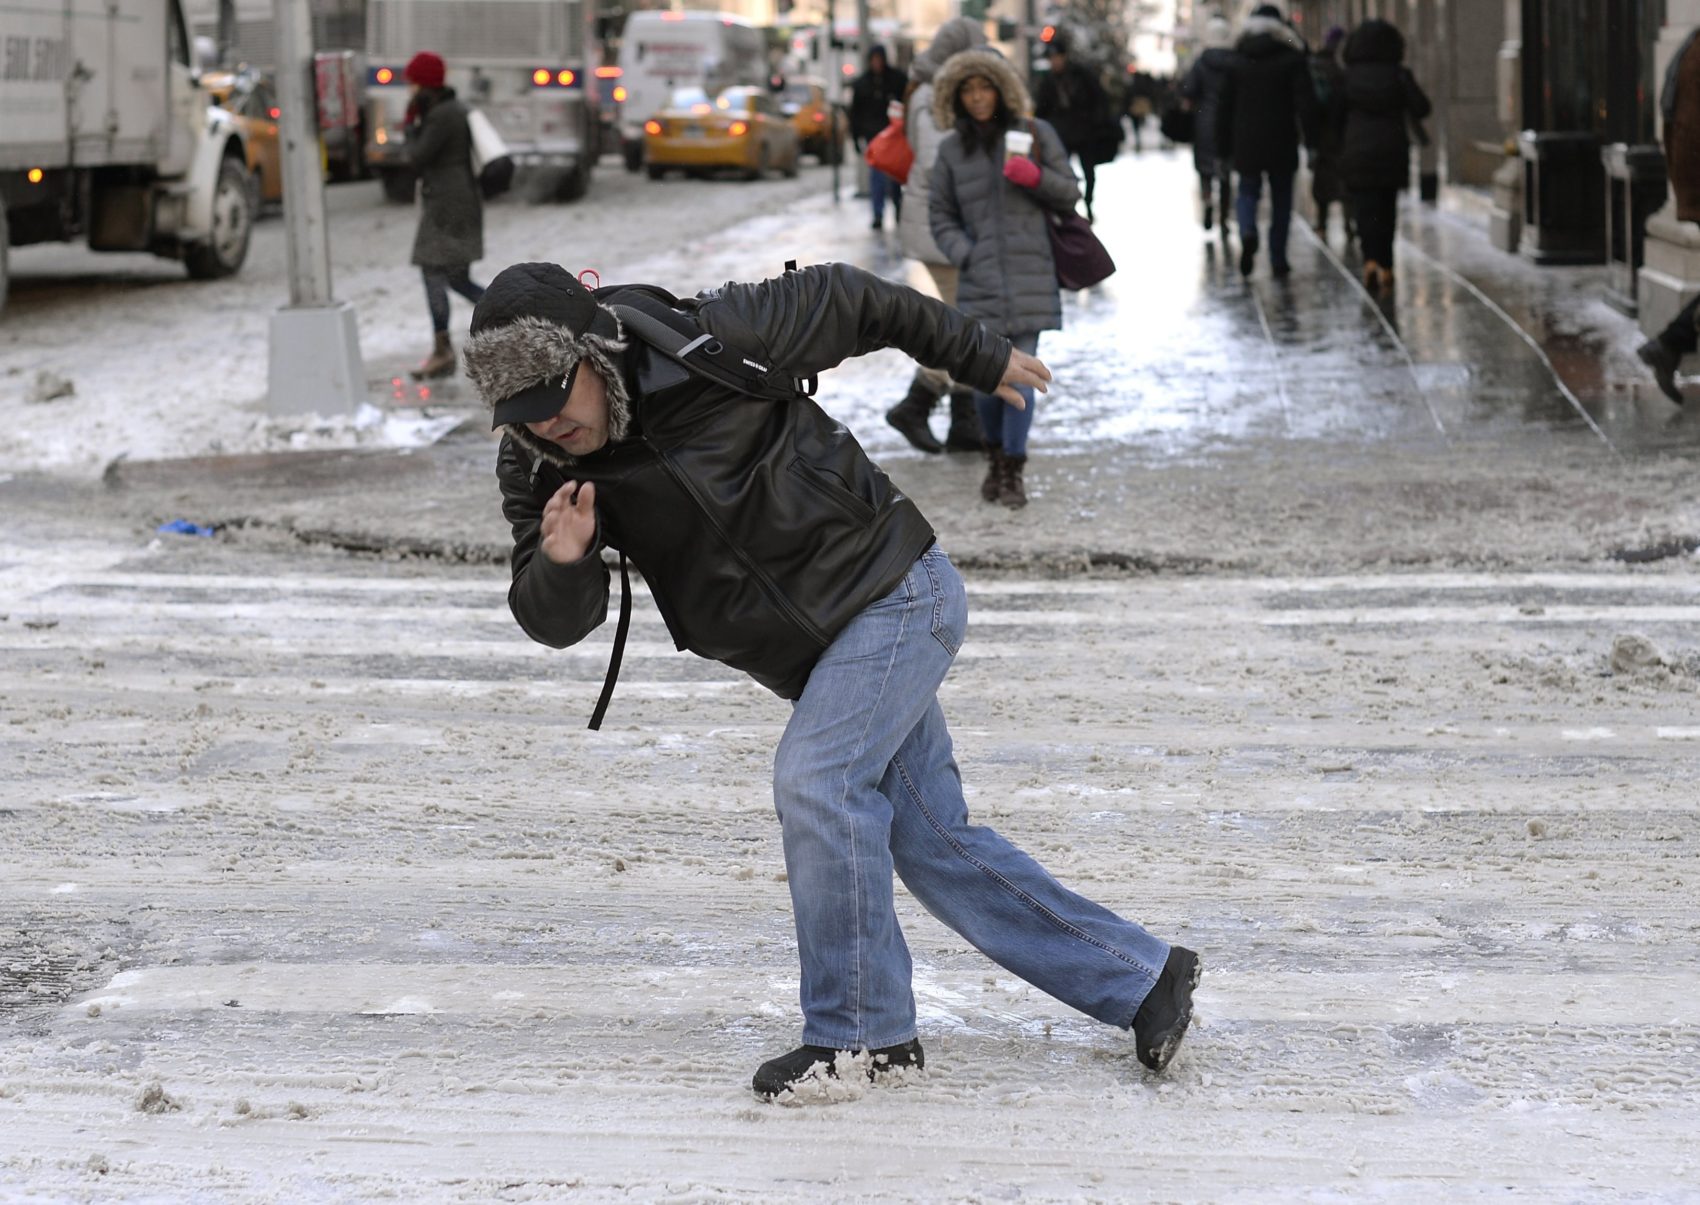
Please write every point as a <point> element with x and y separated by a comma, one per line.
<point>992,487</point>
<point>1012,491</point>
<point>1372,275</point>
<point>441,361</point>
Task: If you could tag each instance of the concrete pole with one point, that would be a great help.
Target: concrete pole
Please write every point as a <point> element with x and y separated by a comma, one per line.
<point>298,138</point>
<point>315,362</point>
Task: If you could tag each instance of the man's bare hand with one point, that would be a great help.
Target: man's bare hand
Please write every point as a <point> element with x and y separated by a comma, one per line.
<point>569,523</point>
<point>1026,370</point>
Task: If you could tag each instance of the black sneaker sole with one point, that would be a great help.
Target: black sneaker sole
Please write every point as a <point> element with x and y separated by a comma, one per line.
<point>1157,1052</point>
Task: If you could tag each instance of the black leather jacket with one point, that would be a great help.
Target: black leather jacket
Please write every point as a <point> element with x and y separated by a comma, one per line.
<point>761,527</point>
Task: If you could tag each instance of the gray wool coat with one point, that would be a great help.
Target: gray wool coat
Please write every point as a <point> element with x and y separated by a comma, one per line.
<point>451,217</point>
<point>997,232</point>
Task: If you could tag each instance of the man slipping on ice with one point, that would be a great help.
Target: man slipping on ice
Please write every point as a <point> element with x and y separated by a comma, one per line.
<point>771,543</point>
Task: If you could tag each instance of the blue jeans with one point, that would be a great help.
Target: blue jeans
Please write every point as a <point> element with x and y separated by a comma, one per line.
<point>1280,210</point>
<point>1004,426</point>
<point>881,186</point>
<point>865,784</point>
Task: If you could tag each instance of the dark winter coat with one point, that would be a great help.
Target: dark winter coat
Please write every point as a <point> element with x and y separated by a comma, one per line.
<point>761,528</point>
<point>451,211</point>
<point>1268,104</point>
<point>870,98</point>
<point>1202,86</point>
<point>997,232</point>
<point>1073,101</point>
<point>1377,105</point>
<point>1679,104</point>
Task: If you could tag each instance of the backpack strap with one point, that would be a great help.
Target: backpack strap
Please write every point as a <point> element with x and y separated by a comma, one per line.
<point>647,314</point>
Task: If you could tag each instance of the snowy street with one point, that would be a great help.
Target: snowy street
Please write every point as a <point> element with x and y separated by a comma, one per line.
<point>1354,648</point>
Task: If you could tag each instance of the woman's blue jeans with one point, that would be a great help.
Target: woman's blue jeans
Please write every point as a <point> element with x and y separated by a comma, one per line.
<point>1004,426</point>
<point>865,784</point>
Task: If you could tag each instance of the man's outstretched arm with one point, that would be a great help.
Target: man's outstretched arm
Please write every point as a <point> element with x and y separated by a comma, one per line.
<point>817,317</point>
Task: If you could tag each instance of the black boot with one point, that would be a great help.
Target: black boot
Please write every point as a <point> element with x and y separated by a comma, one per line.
<point>1664,360</point>
<point>1248,251</point>
<point>807,1063</point>
<point>992,486</point>
<point>964,434</point>
<point>909,417</point>
<point>1161,1021</point>
<point>1012,490</point>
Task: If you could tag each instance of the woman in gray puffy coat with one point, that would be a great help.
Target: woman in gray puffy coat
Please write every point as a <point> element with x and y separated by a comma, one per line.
<point>991,216</point>
<point>914,226</point>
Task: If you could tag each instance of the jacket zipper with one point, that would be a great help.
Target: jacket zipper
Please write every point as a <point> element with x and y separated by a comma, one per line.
<point>777,595</point>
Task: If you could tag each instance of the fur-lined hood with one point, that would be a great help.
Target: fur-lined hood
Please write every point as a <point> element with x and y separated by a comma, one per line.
<point>502,360</point>
<point>1260,36</point>
<point>982,60</point>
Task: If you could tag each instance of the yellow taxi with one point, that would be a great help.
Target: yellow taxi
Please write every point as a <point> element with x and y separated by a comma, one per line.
<point>250,98</point>
<point>254,104</point>
<point>740,128</point>
<point>821,126</point>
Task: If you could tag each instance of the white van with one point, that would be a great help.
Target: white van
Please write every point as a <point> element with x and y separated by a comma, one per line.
<point>664,50</point>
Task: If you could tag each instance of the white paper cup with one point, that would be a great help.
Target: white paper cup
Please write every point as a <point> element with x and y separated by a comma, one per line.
<point>1017,142</point>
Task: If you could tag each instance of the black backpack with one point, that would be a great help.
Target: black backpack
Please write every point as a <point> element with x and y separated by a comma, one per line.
<point>664,322</point>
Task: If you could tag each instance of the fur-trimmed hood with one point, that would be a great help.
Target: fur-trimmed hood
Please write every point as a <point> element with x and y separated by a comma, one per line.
<point>981,60</point>
<point>502,360</point>
<point>1261,36</point>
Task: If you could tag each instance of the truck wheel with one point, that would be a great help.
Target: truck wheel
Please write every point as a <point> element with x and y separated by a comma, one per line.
<point>574,184</point>
<point>634,156</point>
<point>399,186</point>
<point>232,224</point>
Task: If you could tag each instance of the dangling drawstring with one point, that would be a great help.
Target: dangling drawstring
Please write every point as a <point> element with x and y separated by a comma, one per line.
<point>619,646</point>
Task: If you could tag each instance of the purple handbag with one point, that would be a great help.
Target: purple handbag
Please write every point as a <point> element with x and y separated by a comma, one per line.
<point>1081,260</point>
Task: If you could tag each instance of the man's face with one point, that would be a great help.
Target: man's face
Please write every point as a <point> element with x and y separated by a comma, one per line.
<point>581,427</point>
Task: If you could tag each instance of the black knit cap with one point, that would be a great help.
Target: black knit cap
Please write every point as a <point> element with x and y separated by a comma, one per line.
<point>553,294</point>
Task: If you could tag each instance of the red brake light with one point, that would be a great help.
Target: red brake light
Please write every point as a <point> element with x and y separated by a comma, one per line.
<point>1048,33</point>
<point>652,127</point>
<point>275,112</point>
<point>740,128</point>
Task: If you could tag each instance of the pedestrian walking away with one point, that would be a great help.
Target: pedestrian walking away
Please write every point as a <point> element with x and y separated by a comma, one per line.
<point>1327,188</point>
<point>1679,106</point>
<point>451,209</point>
<point>1074,102</point>
<point>910,416</point>
<point>1000,175</point>
<point>1202,89</point>
<point>1142,97</point>
<point>1267,107</point>
<point>871,98</point>
<point>1375,112</point>
<point>772,544</point>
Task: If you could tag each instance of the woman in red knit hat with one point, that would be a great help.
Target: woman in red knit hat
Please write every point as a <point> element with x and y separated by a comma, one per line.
<point>451,216</point>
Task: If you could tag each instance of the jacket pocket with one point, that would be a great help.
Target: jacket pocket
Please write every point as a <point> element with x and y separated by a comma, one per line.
<point>832,490</point>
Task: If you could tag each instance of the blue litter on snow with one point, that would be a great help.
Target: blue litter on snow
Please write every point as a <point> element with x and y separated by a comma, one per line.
<point>182,527</point>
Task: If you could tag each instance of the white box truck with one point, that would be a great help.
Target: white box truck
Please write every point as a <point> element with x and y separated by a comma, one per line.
<point>664,50</point>
<point>528,65</point>
<point>105,135</point>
